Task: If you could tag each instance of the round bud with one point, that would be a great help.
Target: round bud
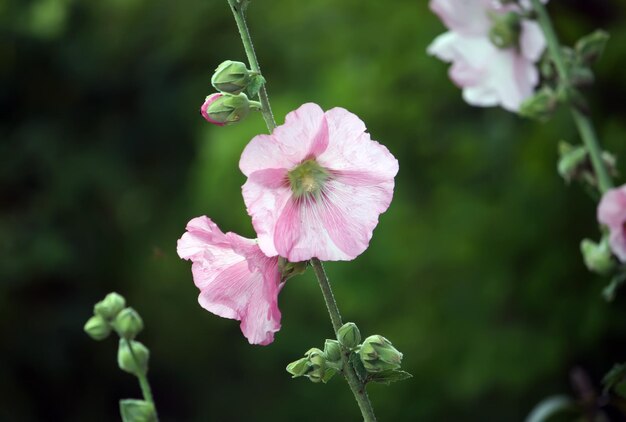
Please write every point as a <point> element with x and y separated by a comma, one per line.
<point>349,335</point>
<point>332,350</point>
<point>225,109</point>
<point>97,328</point>
<point>378,354</point>
<point>132,357</point>
<point>137,411</point>
<point>597,256</point>
<point>231,77</point>
<point>110,306</point>
<point>128,323</point>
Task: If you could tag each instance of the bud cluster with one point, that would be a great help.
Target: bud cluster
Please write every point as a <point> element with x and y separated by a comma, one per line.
<point>374,360</point>
<point>236,85</point>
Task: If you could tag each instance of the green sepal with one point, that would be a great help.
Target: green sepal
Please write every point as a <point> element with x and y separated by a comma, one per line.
<point>590,47</point>
<point>616,282</point>
<point>615,376</point>
<point>540,106</point>
<point>387,377</point>
<point>137,411</point>
<point>255,84</point>
<point>328,374</point>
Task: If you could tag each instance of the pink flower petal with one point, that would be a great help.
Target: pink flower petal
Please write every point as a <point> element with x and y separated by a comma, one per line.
<point>532,40</point>
<point>612,213</point>
<point>303,133</point>
<point>235,279</point>
<point>467,17</point>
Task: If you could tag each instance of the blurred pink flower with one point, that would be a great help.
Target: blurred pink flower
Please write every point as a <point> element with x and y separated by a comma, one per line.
<point>317,185</point>
<point>489,75</point>
<point>612,213</point>
<point>236,280</point>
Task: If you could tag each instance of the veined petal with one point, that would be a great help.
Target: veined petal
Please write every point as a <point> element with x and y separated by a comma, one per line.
<point>235,279</point>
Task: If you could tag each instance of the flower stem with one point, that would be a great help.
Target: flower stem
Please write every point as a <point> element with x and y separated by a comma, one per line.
<point>238,8</point>
<point>356,385</point>
<point>583,122</point>
<point>141,376</point>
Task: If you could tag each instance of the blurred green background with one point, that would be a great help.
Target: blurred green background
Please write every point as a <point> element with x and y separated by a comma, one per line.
<point>474,272</point>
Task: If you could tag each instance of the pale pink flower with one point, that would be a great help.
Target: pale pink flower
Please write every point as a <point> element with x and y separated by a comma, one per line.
<point>489,75</point>
<point>612,213</point>
<point>236,280</point>
<point>317,185</point>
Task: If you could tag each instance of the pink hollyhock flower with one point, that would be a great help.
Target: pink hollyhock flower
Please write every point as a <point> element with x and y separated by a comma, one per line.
<point>236,280</point>
<point>317,185</point>
<point>612,213</point>
<point>489,75</point>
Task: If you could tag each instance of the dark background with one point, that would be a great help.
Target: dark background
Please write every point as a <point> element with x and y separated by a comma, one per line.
<point>474,272</point>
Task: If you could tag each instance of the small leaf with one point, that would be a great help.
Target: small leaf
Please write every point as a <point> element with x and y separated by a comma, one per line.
<point>137,411</point>
<point>387,377</point>
<point>552,407</point>
<point>356,363</point>
<point>614,376</point>
<point>256,82</point>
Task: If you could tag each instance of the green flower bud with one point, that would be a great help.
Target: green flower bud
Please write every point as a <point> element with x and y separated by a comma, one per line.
<point>137,411</point>
<point>299,367</point>
<point>573,161</point>
<point>226,109</point>
<point>231,77</point>
<point>349,335</point>
<point>291,269</point>
<point>539,106</point>
<point>597,256</point>
<point>591,47</point>
<point>332,350</point>
<point>378,354</point>
<point>506,30</point>
<point>97,328</point>
<point>128,323</point>
<point>317,365</point>
<point>133,361</point>
<point>110,306</point>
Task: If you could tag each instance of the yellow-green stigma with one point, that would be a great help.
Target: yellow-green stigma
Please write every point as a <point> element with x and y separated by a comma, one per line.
<point>307,178</point>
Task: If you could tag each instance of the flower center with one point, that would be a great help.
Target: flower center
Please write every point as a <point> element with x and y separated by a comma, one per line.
<point>307,178</point>
<point>506,30</point>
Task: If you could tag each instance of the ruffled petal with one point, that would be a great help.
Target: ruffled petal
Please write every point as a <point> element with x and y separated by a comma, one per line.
<point>468,17</point>
<point>612,213</point>
<point>304,132</point>
<point>235,279</point>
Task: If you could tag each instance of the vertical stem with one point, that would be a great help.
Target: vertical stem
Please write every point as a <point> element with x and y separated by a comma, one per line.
<point>238,7</point>
<point>357,387</point>
<point>583,122</point>
<point>143,379</point>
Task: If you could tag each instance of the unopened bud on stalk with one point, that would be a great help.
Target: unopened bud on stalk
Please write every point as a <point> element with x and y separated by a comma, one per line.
<point>506,30</point>
<point>349,335</point>
<point>332,350</point>
<point>128,323</point>
<point>126,358</point>
<point>597,256</point>
<point>234,78</point>
<point>590,48</point>
<point>226,109</point>
<point>298,368</point>
<point>97,328</point>
<point>137,411</point>
<point>110,306</point>
<point>317,364</point>
<point>378,354</point>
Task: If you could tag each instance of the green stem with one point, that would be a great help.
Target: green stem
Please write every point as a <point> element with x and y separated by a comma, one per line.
<point>583,122</point>
<point>357,387</point>
<point>239,9</point>
<point>141,376</point>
